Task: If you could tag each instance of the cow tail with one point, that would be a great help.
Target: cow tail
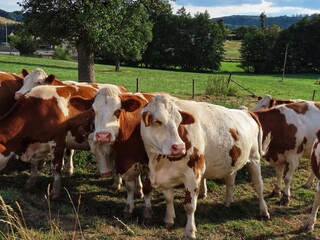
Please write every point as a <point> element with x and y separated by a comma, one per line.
<point>263,144</point>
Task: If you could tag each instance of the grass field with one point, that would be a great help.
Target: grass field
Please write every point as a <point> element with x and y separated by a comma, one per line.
<point>94,209</point>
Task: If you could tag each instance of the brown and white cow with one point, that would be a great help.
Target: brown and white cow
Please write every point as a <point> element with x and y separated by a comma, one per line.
<point>51,125</point>
<point>117,124</point>
<point>315,162</point>
<point>188,140</point>
<point>293,129</point>
<point>9,84</point>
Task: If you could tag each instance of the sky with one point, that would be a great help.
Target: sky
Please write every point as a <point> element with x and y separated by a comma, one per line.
<point>220,8</point>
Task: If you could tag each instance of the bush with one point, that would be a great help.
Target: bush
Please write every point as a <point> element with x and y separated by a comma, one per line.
<point>218,85</point>
<point>62,54</point>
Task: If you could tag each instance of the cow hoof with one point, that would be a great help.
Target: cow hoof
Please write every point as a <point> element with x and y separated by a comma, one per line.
<point>284,201</point>
<point>265,217</point>
<point>126,215</point>
<point>307,228</point>
<point>274,194</point>
<point>169,226</point>
<point>139,195</point>
<point>30,183</point>
<point>54,195</point>
<point>202,196</point>
<point>147,221</point>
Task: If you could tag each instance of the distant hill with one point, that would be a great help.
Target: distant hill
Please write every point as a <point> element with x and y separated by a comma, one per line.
<point>8,21</point>
<point>14,16</point>
<point>236,21</point>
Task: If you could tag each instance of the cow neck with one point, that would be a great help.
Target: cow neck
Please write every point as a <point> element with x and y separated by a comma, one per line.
<point>13,122</point>
<point>129,123</point>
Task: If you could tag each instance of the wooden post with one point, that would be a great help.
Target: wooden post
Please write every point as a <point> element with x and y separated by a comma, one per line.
<point>137,85</point>
<point>285,62</point>
<point>313,95</point>
<point>192,88</point>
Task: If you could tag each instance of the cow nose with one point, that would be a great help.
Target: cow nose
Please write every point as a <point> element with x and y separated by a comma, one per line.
<point>103,137</point>
<point>17,95</point>
<point>178,149</point>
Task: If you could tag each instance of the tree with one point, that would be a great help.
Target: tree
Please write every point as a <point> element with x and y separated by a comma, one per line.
<point>86,24</point>
<point>23,41</point>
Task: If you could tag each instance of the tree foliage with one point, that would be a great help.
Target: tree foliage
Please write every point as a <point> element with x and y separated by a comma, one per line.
<point>88,25</point>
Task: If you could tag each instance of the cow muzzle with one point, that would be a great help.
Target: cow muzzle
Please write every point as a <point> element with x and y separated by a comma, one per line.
<point>103,137</point>
<point>178,149</point>
<point>17,95</point>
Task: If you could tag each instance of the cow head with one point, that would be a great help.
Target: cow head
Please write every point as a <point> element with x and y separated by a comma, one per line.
<point>33,79</point>
<point>264,103</point>
<point>161,127</point>
<point>110,106</point>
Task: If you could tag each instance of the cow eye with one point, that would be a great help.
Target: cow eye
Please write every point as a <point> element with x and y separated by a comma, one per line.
<point>159,123</point>
<point>117,113</point>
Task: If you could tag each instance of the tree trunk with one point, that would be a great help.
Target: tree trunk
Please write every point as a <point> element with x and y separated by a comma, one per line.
<point>117,69</point>
<point>85,63</point>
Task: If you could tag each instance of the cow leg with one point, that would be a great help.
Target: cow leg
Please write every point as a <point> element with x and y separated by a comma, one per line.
<point>292,166</point>
<point>130,199</point>
<point>117,182</point>
<point>310,180</point>
<point>147,190</point>
<point>32,179</point>
<point>255,171</point>
<point>168,195</point>
<point>138,187</point>
<point>279,174</point>
<point>315,207</point>
<point>229,189</point>
<point>68,163</point>
<point>203,188</point>
<point>57,166</point>
<point>190,206</point>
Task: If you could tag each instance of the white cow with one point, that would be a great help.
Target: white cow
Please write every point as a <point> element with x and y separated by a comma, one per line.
<point>315,162</point>
<point>188,140</point>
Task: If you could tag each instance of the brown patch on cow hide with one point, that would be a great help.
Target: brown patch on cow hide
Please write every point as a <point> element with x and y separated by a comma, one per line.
<point>234,153</point>
<point>147,188</point>
<point>182,131</point>
<point>300,148</point>
<point>187,197</point>
<point>234,134</point>
<point>196,162</point>
<point>283,135</point>
<point>298,107</point>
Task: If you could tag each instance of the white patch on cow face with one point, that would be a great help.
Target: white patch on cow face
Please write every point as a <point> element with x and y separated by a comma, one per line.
<point>106,103</point>
<point>263,103</point>
<point>35,78</point>
<point>162,133</point>
<point>4,160</point>
<point>38,151</point>
<point>48,92</point>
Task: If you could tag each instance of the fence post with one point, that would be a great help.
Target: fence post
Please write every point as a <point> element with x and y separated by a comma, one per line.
<point>313,95</point>
<point>192,88</point>
<point>137,85</point>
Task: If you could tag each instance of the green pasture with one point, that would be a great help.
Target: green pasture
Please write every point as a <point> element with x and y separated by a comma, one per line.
<point>90,209</point>
<point>178,83</point>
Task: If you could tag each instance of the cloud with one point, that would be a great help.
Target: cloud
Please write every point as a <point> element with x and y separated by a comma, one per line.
<point>10,5</point>
<point>248,7</point>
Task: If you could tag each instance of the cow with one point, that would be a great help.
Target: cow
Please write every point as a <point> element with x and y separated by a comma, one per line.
<point>9,84</point>
<point>52,125</point>
<point>187,141</point>
<point>117,124</point>
<point>315,163</point>
<point>39,77</point>
<point>293,129</point>
<point>269,102</point>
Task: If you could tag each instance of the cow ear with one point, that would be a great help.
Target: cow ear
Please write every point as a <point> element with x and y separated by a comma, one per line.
<point>186,118</point>
<point>82,104</point>
<point>147,118</point>
<point>271,103</point>
<point>130,103</point>
<point>50,79</point>
<point>259,98</point>
<point>2,148</point>
<point>24,72</point>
